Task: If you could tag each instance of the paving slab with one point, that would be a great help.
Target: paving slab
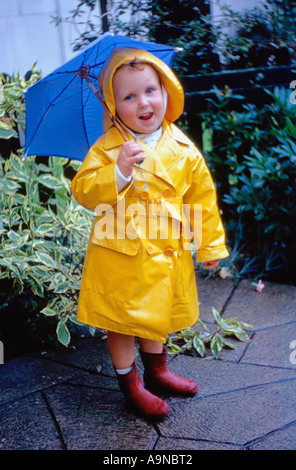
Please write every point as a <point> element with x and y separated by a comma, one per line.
<point>239,417</point>
<point>212,293</point>
<point>20,377</point>
<point>166,443</point>
<point>28,425</point>
<point>275,305</point>
<point>281,439</point>
<point>94,419</point>
<point>89,354</point>
<point>216,377</point>
<point>69,398</point>
<point>272,347</point>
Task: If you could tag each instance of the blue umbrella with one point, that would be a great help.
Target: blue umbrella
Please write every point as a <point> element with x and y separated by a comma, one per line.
<point>64,110</point>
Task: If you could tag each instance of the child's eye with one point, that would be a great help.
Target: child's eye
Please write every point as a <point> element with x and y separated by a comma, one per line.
<point>128,97</point>
<point>149,90</point>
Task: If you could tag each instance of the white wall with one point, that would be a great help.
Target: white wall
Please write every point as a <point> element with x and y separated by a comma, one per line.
<point>235,5</point>
<point>27,35</point>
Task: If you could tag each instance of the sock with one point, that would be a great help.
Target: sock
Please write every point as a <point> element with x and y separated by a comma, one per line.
<point>123,371</point>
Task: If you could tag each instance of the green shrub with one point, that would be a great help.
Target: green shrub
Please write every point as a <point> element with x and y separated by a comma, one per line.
<point>252,153</point>
<point>43,236</point>
<point>43,231</point>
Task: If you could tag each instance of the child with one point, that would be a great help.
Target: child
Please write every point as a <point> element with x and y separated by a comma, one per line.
<point>138,278</point>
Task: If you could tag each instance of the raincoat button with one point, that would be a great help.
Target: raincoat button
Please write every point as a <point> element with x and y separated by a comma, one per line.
<point>149,250</point>
<point>167,194</point>
<point>169,251</point>
<point>144,195</point>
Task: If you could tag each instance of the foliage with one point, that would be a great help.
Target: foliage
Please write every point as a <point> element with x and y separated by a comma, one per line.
<point>187,25</point>
<point>91,19</point>
<point>86,21</point>
<point>12,107</point>
<point>264,35</point>
<point>261,36</point>
<point>196,341</point>
<point>251,152</point>
<point>43,236</point>
<point>43,230</point>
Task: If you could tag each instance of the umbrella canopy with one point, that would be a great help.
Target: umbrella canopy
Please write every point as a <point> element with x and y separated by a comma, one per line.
<point>63,115</point>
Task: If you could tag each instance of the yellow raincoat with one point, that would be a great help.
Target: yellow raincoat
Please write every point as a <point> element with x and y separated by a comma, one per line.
<point>138,277</point>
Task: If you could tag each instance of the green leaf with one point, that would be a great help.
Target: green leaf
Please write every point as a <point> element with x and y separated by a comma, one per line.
<point>43,229</point>
<point>63,333</point>
<point>49,312</point>
<point>14,236</point>
<point>216,345</point>
<point>62,288</point>
<point>198,345</point>
<point>36,287</point>
<point>73,319</point>
<point>217,316</point>
<point>46,260</point>
<point>228,344</point>
<point>240,334</point>
<point>50,181</point>
<point>8,264</point>
<point>202,324</point>
<point>6,132</point>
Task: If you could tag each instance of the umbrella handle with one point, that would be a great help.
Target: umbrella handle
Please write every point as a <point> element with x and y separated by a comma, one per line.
<point>93,88</point>
<point>97,94</point>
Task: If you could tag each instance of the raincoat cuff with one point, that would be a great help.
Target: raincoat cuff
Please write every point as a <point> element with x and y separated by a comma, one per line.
<point>121,180</point>
<point>219,252</point>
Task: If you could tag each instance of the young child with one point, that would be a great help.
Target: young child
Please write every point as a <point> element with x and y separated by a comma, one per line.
<point>138,278</point>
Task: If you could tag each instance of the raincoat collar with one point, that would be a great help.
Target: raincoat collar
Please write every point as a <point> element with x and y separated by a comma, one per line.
<point>113,138</point>
<point>153,163</point>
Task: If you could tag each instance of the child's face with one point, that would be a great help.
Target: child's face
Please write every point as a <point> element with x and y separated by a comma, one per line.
<point>138,98</point>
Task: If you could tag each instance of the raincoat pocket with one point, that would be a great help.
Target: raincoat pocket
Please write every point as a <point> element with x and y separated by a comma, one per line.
<point>126,246</point>
<point>116,232</point>
<point>112,267</point>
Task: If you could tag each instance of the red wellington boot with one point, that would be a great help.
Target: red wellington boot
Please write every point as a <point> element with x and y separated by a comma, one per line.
<point>139,398</point>
<point>158,376</point>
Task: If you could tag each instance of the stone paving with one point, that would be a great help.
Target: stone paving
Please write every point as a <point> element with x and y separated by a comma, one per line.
<point>69,398</point>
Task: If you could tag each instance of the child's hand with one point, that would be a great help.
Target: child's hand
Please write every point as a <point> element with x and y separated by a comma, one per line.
<point>129,155</point>
<point>211,264</point>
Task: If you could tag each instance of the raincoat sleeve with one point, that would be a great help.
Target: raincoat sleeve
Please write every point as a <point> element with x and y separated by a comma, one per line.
<point>205,221</point>
<point>95,181</point>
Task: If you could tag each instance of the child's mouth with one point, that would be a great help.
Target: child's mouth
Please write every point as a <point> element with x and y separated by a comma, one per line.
<point>146,116</point>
